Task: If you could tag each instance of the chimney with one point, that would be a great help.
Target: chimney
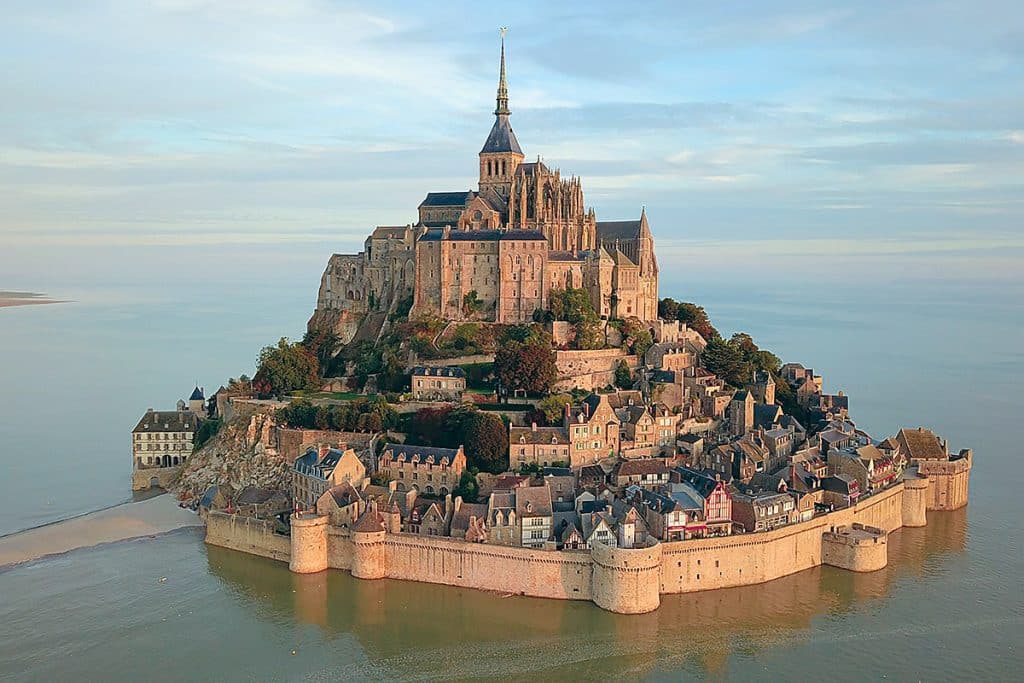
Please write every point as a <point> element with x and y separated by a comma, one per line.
<point>586,409</point>
<point>323,451</point>
<point>533,426</point>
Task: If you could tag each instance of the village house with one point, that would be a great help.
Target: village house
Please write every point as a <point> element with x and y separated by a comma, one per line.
<point>438,384</point>
<point>429,517</point>
<point>534,512</point>
<point>427,469</point>
<point>666,426</point>
<point>593,431</point>
<point>318,470</point>
<point>840,491</point>
<point>711,496</point>
<point>561,482</point>
<point>599,527</point>
<point>649,473</point>
<point>741,413</point>
<point>259,502</point>
<point>763,511</point>
<point>665,516</point>
<point>342,504</point>
<point>469,522</point>
<point>543,446</point>
<point>502,520</point>
<point>921,444</point>
<point>638,435</point>
<point>872,470</point>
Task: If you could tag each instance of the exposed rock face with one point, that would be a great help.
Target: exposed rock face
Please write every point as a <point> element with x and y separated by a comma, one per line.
<point>244,453</point>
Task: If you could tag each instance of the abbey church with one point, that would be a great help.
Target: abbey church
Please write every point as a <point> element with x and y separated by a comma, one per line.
<point>496,253</point>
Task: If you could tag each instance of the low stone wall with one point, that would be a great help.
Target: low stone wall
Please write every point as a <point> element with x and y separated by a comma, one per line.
<point>249,535</point>
<point>589,370</point>
<point>291,443</point>
<point>142,479</point>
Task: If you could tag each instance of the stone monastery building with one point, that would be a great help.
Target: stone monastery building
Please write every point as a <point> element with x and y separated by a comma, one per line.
<point>496,253</point>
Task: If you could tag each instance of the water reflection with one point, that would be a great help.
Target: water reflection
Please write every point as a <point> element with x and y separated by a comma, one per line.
<point>428,630</point>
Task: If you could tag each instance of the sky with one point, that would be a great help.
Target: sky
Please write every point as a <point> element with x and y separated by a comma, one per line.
<point>796,128</point>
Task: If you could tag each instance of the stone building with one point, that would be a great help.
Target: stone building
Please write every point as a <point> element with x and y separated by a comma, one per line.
<point>593,430</point>
<point>423,468</point>
<point>741,413</point>
<point>437,384</point>
<point>316,471</point>
<point>496,252</point>
<point>163,438</point>
<point>544,446</point>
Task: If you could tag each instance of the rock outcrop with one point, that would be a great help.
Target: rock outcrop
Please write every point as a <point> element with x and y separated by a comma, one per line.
<point>243,453</point>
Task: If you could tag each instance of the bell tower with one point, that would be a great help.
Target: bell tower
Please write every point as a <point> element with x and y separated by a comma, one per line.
<point>501,154</point>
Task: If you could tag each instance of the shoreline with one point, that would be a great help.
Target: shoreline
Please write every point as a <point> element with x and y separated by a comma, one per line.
<point>157,515</point>
<point>9,299</point>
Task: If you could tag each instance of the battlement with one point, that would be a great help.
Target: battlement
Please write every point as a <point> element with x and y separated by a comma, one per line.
<point>857,548</point>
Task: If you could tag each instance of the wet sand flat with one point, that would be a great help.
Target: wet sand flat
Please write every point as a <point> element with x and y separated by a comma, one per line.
<point>8,298</point>
<point>154,516</point>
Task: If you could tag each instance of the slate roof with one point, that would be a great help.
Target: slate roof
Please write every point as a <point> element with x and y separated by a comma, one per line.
<point>618,230</point>
<point>400,451</point>
<point>388,232</point>
<point>436,235</point>
<point>742,395</point>
<point>370,522</point>
<point>344,494</point>
<point>565,256</point>
<point>167,421</point>
<point>197,395</point>
<point>450,371</point>
<point>621,259</point>
<point>701,483</point>
<point>461,519</point>
<point>766,415</point>
<point>254,495</point>
<point>447,198</point>
<point>501,137</point>
<point>532,167</point>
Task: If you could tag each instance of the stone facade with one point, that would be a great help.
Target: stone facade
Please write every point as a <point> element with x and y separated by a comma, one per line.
<point>494,253</point>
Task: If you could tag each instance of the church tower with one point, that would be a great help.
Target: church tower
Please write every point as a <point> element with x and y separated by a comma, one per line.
<point>501,154</point>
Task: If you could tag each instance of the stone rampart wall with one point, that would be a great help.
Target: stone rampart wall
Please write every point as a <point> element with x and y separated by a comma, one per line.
<point>249,535</point>
<point>291,443</point>
<point>537,573</point>
<point>142,479</point>
<point>589,370</point>
<point>743,559</point>
<point>947,482</point>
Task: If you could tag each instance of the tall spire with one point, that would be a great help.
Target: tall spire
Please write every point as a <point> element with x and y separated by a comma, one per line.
<point>502,100</point>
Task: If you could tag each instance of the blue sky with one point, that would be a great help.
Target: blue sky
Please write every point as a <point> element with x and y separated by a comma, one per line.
<point>798,126</point>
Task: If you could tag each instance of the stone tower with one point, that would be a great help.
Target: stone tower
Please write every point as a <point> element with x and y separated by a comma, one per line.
<point>501,154</point>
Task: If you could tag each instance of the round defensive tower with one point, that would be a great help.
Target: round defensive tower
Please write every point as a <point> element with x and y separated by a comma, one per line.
<point>915,498</point>
<point>368,559</point>
<point>309,543</point>
<point>626,580</point>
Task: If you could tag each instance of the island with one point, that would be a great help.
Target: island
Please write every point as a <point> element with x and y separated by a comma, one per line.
<point>494,396</point>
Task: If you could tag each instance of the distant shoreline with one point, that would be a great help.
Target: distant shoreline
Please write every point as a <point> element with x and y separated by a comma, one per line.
<point>8,298</point>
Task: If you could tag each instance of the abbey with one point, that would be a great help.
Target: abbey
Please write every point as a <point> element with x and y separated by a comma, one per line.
<point>496,253</point>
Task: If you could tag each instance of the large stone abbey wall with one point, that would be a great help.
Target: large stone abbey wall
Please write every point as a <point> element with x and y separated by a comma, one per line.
<point>616,579</point>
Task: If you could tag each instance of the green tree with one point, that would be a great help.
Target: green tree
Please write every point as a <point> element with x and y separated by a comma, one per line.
<point>726,360</point>
<point>553,407</point>
<point>588,335</point>
<point>323,344</point>
<point>467,487</point>
<point>286,367</point>
<point>484,438</point>
<point>529,366</point>
<point>572,305</point>
<point>623,377</point>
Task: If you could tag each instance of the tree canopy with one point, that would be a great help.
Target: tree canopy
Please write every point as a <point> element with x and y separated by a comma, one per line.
<point>693,315</point>
<point>362,414</point>
<point>285,367</point>
<point>483,435</point>
<point>623,377</point>
<point>526,361</point>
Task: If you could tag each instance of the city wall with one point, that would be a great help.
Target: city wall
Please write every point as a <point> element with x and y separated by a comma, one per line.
<point>619,580</point>
<point>247,534</point>
<point>143,478</point>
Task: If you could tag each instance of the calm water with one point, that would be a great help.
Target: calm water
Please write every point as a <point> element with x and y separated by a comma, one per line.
<point>912,345</point>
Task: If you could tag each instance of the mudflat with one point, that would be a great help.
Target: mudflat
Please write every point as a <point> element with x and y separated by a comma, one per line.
<point>9,298</point>
<point>157,515</point>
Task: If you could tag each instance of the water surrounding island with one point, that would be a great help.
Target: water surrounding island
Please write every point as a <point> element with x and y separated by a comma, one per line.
<point>916,339</point>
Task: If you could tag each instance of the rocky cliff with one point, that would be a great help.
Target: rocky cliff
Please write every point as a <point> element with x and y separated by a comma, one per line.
<point>243,453</point>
